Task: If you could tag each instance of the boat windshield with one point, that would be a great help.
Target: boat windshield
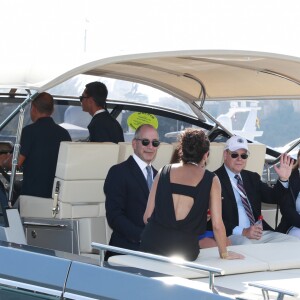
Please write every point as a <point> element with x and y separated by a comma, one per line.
<point>120,90</point>
<point>271,122</point>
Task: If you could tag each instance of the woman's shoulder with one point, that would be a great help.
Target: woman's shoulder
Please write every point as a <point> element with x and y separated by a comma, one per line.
<point>210,174</point>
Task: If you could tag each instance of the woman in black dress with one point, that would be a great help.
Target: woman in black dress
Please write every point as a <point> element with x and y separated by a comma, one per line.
<point>177,207</point>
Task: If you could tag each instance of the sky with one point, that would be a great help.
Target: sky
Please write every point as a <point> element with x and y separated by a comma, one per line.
<point>95,26</point>
<point>61,34</point>
<point>42,37</point>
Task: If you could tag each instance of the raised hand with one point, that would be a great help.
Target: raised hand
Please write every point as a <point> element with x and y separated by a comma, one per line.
<point>285,168</point>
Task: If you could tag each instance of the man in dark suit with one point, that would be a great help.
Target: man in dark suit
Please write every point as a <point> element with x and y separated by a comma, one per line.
<point>243,192</point>
<point>289,205</point>
<point>127,189</point>
<point>103,127</point>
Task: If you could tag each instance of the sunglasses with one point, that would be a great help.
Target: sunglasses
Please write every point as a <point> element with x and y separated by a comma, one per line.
<point>82,97</point>
<point>236,155</point>
<point>146,142</point>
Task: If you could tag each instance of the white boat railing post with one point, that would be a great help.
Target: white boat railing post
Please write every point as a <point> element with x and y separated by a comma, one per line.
<point>101,253</point>
<point>184,264</point>
<point>265,289</point>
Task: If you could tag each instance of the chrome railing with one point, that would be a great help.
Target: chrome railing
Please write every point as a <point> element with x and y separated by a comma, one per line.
<point>265,289</point>
<point>184,264</point>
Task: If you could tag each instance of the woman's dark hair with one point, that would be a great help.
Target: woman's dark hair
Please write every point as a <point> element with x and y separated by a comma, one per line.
<point>296,165</point>
<point>176,155</point>
<point>194,143</point>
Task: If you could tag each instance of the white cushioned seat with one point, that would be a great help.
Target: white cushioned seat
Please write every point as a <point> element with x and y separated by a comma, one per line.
<point>80,198</point>
<point>269,213</point>
<point>155,266</point>
<point>256,159</point>
<point>35,207</point>
<point>81,172</point>
<point>125,150</point>
<point>207,257</point>
<point>258,258</point>
<point>163,155</point>
<point>80,161</point>
<point>215,159</point>
<point>278,256</point>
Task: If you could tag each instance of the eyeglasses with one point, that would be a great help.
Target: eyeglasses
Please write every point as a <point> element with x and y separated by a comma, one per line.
<point>236,155</point>
<point>82,97</point>
<point>146,142</point>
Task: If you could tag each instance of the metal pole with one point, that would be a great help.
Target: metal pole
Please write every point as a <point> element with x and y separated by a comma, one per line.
<point>185,264</point>
<point>14,163</point>
<point>21,110</point>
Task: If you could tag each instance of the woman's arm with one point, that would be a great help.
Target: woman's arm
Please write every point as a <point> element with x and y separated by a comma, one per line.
<point>215,206</point>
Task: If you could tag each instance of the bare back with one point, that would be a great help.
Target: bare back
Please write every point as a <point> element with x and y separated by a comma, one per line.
<point>188,175</point>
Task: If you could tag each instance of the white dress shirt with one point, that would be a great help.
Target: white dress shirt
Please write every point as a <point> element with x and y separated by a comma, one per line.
<point>98,112</point>
<point>244,221</point>
<point>142,165</point>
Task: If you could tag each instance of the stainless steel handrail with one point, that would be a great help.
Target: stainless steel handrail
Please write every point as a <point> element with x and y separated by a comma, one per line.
<point>185,264</point>
<point>37,224</point>
<point>266,288</point>
<point>14,163</point>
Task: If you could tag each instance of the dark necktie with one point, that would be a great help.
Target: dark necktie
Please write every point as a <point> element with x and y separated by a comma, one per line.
<point>149,177</point>
<point>245,202</point>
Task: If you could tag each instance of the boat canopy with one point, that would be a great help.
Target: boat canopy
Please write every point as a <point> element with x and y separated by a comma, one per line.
<point>188,75</point>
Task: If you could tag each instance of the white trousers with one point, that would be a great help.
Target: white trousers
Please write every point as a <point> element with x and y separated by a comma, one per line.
<point>267,237</point>
<point>294,231</point>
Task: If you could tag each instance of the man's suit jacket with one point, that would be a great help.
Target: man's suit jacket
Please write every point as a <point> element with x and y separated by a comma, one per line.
<point>104,128</point>
<point>257,192</point>
<point>290,217</point>
<point>127,194</point>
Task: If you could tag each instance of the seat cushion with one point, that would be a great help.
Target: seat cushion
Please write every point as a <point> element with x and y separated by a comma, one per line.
<point>83,161</point>
<point>35,207</point>
<point>80,191</point>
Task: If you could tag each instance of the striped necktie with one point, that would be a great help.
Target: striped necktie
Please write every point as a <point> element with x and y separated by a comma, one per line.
<point>244,199</point>
<point>149,177</point>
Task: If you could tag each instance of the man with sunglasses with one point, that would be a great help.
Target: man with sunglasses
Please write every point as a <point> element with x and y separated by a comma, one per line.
<point>103,127</point>
<point>127,188</point>
<point>243,192</point>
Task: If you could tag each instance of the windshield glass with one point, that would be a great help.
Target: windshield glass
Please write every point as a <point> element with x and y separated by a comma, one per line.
<point>271,122</point>
<point>124,91</point>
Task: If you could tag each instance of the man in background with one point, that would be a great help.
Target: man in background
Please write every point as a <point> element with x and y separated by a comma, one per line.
<point>103,127</point>
<point>39,147</point>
